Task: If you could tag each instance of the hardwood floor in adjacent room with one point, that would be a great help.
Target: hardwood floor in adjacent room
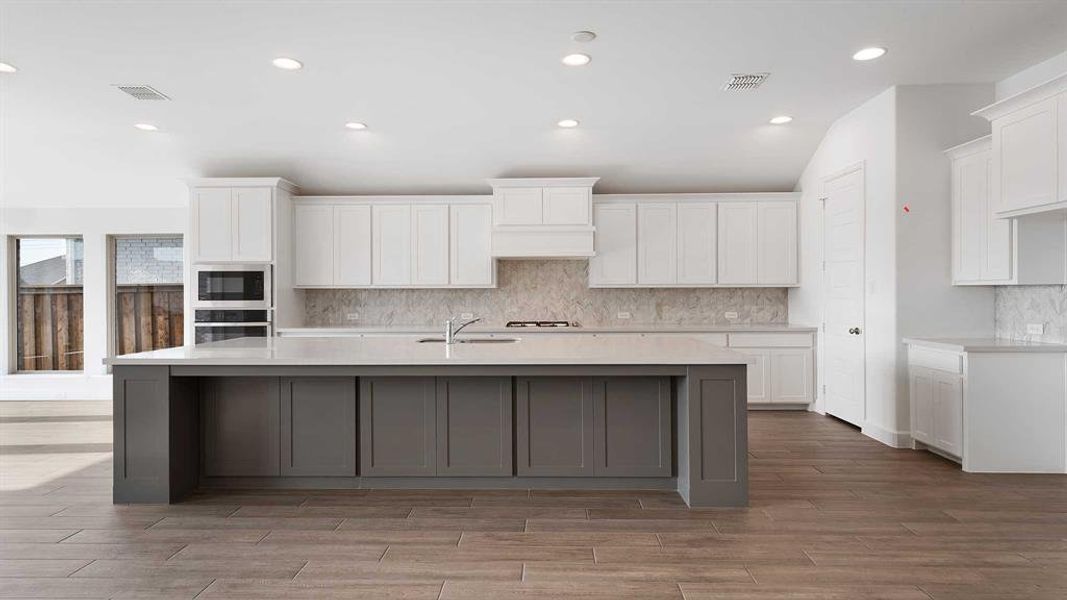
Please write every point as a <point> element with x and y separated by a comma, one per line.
<point>834,515</point>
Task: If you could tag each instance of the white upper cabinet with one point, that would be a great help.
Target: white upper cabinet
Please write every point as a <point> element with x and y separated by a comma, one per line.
<point>566,205</point>
<point>385,242</point>
<point>352,248</point>
<point>692,240</point>
<point>988,250</point>
<point>697,248</point>
<point>391,245</point>
<point>232,220</point>
<point>471,264</point>
<point>429,239</point>
<point>543,217</point>
<point>313,232</point>
<point>656,243</point>
<point>212,228</point>
<point>738,251</point>
<point>615,262</point>
<point>252,224</point>
<point>1029,150</point>
<point>776,248</point>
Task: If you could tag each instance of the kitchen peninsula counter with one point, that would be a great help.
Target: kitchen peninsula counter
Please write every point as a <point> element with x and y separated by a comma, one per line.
<point>562,412</point>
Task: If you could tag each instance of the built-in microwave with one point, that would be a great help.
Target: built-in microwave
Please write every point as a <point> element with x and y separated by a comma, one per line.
<point>216,324</point>
<point>232,286</point>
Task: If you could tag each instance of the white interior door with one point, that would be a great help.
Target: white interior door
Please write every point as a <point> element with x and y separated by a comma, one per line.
<point>843,281</point>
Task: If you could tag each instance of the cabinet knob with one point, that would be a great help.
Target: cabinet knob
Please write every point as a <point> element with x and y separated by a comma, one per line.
<point>854,330</point>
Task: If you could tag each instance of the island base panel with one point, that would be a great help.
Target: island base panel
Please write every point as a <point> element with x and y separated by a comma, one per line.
<point>622,428</point>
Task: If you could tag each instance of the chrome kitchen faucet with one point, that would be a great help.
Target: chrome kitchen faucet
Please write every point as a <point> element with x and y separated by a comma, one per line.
<point>451,330</point>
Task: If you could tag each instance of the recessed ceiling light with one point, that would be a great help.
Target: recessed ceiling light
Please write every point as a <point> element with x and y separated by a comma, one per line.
<point>576,60</point>
<point>583,36</point>
<point>568,123</point>
<point>781,120</point>
<point>289,64</point>
<point>869,53</point>
<point>356,125</point>
<point>6,68</point>
<point>146,127</point>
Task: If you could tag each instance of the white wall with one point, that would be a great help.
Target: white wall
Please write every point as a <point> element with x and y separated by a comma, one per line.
<point>865,135</point>
<point>94,224</point>
<point>898,136</point>
<point>1032,75</point>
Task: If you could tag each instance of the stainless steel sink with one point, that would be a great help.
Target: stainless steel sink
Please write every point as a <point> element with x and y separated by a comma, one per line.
<point>471,340</point>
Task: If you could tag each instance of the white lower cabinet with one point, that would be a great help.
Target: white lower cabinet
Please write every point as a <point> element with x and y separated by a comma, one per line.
<point>936,406</point>
<point>784,369</point>
<point>391,244</point>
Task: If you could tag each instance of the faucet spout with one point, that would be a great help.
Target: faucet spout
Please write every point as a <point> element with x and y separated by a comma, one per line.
<point>451,330</point>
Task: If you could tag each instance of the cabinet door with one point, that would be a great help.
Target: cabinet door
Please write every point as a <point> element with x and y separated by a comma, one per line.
<point>791,375</point>
<point>758,375</point>
<point>391,248</point>
<point>352,245</point>
<point>776,242</point>
<point>554,426</point>
<point>970,195</point>
<point>1025,157</point>
<point>252,239</point>
<point>241,426</point>
<point>429,249</point>
<point>470,235</point>
<point>313,245</point>
<point>474,426</point>
<point>212,225</point>
<point>397,426</point>
<point>318,425</point>
<point>697,248</point>
<point>948,413</point>
<point>566,205</point>
<point>737,243</point>
<point>518,206</point>
<point>922,391</point>
<point>656,244</point>
<point>632,426</point>
<point>615,261</point>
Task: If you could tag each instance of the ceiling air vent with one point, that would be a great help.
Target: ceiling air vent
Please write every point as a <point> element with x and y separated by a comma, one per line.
<point>142,92</point>
<point>745,81</point>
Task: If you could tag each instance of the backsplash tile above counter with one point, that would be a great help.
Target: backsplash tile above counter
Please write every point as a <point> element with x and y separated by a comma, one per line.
<point>1021,305</point>
<point>546,289</point>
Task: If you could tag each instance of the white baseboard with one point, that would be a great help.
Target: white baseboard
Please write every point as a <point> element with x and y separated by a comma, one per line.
<point>893,439</point>
<point>55,386</point>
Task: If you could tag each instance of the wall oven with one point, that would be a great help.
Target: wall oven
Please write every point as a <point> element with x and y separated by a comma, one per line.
<point>232,286</point>
<point>216,325</point>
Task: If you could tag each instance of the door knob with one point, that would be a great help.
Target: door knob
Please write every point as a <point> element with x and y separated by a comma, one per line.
<point>854,330</point>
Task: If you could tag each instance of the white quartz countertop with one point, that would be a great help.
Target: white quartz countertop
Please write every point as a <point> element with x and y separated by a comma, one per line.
<point>407,351</point>
<point>985,344</point>
<point>494,330</point>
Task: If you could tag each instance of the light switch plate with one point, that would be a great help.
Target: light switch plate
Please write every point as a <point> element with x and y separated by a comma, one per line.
<point>1035,329</point>
<point>622,315</point>
<point>466,316</point>
<point>352,316</point>
<point>731,315</point>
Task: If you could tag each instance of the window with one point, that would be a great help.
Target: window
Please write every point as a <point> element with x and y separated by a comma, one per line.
<point>148,302</point>
<point>49,317</point>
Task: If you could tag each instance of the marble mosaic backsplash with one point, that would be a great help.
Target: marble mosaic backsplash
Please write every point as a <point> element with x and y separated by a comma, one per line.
<point>1017,306</point>
<point>548,290</point>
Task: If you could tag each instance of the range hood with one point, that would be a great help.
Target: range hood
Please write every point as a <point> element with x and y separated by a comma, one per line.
<point>543,217</point>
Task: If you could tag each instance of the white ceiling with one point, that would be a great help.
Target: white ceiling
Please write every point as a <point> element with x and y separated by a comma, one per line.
<point>455,92</point>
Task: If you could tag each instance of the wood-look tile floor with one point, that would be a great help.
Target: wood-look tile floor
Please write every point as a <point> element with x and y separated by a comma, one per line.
<point>834,515</point>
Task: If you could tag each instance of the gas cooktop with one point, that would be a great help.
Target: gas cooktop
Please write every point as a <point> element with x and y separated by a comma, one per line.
<point>542,324</point>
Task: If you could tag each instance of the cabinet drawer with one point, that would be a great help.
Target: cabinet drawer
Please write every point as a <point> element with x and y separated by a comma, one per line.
<point>771,340</point>
<point>939,360</point>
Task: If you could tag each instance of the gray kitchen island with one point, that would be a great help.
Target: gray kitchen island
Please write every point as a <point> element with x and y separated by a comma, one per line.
<point>546,412</point>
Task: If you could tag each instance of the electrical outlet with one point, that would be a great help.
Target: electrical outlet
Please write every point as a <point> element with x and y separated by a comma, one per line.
<point>731,315</point>
<point>352,316</point>
<point>622,315</point>
<point>1035,329</point>
<point>466,316</point>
